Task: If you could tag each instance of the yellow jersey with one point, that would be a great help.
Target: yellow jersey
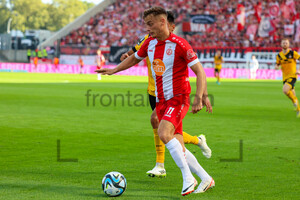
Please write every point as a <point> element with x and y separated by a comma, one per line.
<point>288,63</point>
<point>218,62</point>
<point>151,84</point>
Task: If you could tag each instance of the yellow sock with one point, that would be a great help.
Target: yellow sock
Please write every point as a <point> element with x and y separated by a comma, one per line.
<point>219,78</point>
<point>292,96</point>
<point>188,139</point>
<point>159,147</point>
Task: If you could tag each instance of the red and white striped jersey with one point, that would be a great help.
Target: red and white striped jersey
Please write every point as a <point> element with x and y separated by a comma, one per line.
<point>169,60</point>
<point>100,60</point>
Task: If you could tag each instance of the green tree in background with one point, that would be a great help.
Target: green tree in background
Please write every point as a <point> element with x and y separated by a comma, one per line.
<point>5,14</point>
<point>63,12</point>
<point>37,15</point>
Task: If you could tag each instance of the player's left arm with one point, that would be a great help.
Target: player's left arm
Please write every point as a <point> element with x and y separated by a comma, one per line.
<point>297,57</point>
<point>201,96</point>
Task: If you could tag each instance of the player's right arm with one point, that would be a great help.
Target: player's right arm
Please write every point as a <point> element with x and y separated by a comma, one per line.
<point>129,62</point>
<point>126,64</point>
<point>277,66</point>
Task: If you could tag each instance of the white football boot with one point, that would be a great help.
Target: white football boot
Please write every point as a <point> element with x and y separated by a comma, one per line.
<point>188,187</point>
<point>203,146</point>
<point>157,171</point>
<point>205,185</point>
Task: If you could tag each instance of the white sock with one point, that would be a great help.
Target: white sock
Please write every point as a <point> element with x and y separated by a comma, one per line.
<point>99,76</point>
<point>162,165</point>
<point>178,156</point>
<point>195,167</point>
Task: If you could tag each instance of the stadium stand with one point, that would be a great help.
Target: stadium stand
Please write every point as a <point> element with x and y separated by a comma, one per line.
<point>250,23</point>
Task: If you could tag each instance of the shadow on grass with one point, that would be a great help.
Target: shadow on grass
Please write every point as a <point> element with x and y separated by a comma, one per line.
<point>77,192</point>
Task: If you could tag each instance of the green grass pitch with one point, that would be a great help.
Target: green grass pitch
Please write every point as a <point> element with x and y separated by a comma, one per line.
<point>36,110</point>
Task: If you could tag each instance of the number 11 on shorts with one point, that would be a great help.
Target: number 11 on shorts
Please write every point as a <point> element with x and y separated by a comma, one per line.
<point>169,112</point>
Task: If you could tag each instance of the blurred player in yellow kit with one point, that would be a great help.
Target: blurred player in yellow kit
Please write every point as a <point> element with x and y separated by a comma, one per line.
<point>159,169</point>
<point>218,60</point>
<point>286,60</point>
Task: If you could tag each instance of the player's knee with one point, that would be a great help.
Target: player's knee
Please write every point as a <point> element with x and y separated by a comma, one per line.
<point>165,135</point>
<point>164,138</point>
<point>285,91</point>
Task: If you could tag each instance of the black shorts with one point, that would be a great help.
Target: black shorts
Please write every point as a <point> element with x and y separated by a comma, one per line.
<point>217,70</point>
<point>290,81</point>
<point>152,101</point>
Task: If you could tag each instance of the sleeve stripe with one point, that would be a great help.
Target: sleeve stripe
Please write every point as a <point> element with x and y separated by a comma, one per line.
<point>193,62</point>
<point>137,56</point>
<point>134,49</point>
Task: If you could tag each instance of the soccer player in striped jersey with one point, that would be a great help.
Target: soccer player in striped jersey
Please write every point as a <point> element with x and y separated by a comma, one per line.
<point>170,56</point>
<point>286,59</point>
<point>159,169</point>
<point>100,61</point>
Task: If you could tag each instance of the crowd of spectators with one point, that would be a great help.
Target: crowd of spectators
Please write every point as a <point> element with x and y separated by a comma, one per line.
<point>121,23</point>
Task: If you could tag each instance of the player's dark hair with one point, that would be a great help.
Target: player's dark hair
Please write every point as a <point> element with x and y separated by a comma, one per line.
<point>155,11</point>
<point>171,18</point>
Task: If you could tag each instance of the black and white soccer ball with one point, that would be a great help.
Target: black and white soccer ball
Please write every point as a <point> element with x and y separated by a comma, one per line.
<point>114,184</point>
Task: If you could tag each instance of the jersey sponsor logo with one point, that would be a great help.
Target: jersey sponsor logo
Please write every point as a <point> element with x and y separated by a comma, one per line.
<point>190,54</point>
<point>169,51</point>
<point>159,67</point>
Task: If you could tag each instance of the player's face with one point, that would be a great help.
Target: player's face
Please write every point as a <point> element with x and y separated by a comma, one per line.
<point>154,25</point>
<point>285,44</point>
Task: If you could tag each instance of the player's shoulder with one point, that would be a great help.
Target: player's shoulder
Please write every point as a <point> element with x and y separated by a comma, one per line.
<point>178,40</point>
<point>148,39</point>
<point>279,55</point>
<point>295,52</point>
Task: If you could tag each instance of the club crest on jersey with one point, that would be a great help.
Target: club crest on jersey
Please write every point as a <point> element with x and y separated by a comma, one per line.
<point>169,51</point>
<point>190,54</point>
<point>158,67</point>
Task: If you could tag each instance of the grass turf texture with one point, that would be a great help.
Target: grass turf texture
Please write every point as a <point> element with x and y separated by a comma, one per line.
<point>39,109</point>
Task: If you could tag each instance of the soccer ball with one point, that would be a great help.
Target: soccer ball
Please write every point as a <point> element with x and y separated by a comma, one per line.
<point>114,184</point>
